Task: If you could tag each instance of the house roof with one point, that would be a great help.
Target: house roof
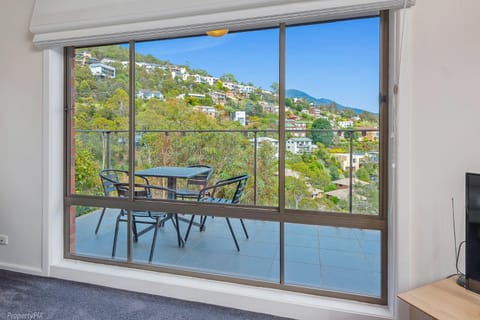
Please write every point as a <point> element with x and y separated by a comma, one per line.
<point>344,194</point>
<point>346,182</point>
<point>262,139</point>
<point>300,139</point>
<point>341,193</point>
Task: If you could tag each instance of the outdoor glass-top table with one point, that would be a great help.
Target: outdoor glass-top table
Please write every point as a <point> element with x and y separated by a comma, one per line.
<point>172,174</point>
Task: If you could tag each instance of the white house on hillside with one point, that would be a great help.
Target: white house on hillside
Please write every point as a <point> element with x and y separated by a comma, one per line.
<point>345,123</point>
<point>246,89</point>
<point>148,66</point>
<point>299,145</point>
<point>265,140</point>
<point>344,159</point>
<point>296,128</point>
<point>204,79</point>
<point>148,94</point>
<point>209,111</point>
<point>180,73</point>
<point>239,116</point>
<point>102,70</point>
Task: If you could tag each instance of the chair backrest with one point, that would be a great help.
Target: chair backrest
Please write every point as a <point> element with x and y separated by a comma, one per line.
<point>109,178</point>
<point>237,184</point>
<point>141,191</point>
<point>200,180</point>
<point>240,181</point>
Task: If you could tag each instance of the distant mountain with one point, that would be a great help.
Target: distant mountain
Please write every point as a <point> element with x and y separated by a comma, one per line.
<point>294,93</point>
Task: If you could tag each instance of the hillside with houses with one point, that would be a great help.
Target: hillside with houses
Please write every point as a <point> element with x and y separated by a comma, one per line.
<point>326,142</point>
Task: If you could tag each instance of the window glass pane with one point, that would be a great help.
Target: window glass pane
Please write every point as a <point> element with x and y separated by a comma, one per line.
<point>365,189</point>
<point>332,114</point>
<point>100,117</point>
<point>206,129</point>
<point>213,250</point>
<point>206,110</point>
<point>92,231</point>
<point>333,258</point>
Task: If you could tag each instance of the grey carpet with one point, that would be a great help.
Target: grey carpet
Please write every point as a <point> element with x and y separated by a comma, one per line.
<point>30,297</point>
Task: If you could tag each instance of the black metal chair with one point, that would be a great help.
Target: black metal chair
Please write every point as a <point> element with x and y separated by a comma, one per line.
<point>109,178</point>
<point>227,191</point>
<point>154,219</point>
<point>195,184</point>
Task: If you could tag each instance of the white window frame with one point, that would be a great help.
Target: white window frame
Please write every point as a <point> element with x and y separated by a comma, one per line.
<point>227,294</point>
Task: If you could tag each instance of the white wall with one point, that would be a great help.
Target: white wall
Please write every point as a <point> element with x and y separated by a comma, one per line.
<point>439,115</point>
<point>437,126</point>
<point>20,139</point>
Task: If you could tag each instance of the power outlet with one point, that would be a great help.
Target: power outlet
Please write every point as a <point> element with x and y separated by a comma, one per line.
<point>3,239</point>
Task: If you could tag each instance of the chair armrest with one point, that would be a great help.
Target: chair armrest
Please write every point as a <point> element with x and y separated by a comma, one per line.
<point>206,192</point>
<point>145,179</point>
<point>216,200</point>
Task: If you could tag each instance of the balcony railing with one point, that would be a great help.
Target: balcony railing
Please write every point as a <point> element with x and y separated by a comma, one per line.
<point>342,140</point>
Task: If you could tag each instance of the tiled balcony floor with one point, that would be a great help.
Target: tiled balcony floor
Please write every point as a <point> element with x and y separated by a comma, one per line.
<point>329,258</point>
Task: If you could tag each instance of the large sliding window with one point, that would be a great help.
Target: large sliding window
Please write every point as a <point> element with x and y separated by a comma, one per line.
<point>258,157</point>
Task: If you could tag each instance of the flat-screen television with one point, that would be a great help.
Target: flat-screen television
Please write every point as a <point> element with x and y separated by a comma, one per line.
<point>472,235</point>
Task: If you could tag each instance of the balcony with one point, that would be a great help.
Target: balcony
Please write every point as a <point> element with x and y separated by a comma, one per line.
<point>320,257</point>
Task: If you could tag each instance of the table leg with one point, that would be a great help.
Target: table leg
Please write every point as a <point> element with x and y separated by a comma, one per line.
<point>172,184</point>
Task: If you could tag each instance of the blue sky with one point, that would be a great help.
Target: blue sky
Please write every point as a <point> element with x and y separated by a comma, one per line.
<point>338,60</point>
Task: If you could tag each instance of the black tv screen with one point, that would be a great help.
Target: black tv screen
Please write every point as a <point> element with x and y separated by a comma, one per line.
<point>472,224</point>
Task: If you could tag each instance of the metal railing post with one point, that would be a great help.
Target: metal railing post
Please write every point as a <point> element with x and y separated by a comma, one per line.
<point>109,153</point>
<point>351,173</point>
<point>255,167</point>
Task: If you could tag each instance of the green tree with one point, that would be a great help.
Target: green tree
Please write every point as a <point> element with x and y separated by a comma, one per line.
<point>366,199</point>
<point>228,77</point>
<point>324,137</point>
<point>86,171</point>
<point>118,103</point>
<point>84,89</point>
<point>295,191</point>
<point>274,86</point>
<point>369,117</point>
<point>367,172</point>
<point>289,102</point>
<point>219,86</point>
<point>267,180</point>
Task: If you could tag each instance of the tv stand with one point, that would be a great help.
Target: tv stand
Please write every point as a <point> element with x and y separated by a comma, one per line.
<point>444,299</point>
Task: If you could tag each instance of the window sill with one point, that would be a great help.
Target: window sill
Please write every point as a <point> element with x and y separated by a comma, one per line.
<point>262,300</point>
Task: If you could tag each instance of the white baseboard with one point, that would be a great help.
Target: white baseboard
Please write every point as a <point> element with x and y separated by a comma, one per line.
<point>263,300</point>
<point>22,269</point>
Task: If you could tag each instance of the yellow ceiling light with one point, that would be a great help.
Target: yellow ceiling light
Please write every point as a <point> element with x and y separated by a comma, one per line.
<point>217,32</point>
